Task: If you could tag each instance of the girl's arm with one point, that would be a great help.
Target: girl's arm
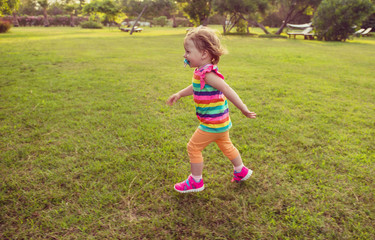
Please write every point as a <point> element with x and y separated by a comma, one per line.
<point>183,93</point>
<point>218,83</point>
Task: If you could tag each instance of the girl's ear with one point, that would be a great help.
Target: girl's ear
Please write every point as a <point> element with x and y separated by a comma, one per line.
<point>205,54</point>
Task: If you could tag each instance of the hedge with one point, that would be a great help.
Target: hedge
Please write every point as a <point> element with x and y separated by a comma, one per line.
<point>58,20</point>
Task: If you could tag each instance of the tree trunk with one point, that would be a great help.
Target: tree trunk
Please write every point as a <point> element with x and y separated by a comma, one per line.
<point>46,23</point>
<point>224,25</point>
<point>262,27</point>
<point>287,18</point>
<point>174,21</point>
<point>205,21</point>
<point>15,19</point>
<point>290,18</point>
<point>231,23</point>
<point>72,20</point>
<point>136,21</point>
<point>255,23</point>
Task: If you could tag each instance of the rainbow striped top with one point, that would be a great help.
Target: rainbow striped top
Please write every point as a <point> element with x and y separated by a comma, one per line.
<point>211,105</point>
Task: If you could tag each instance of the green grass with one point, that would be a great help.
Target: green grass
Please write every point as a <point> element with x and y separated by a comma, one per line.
<point>90,150</point>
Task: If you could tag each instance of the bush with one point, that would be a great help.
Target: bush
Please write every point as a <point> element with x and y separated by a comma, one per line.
<point>241,26</point>
<point>59,20</point>
<point>161,21</point>
<point>5,26</point>
<point>216,19</point>
<point>334,19</point>
<point>183,22</point>
<point>91,24</point>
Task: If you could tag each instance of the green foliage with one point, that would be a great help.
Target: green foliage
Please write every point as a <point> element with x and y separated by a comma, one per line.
<point>107,7</point>
<point>56,20</point>
<point>43,3</point>
<point>155,8</point>
<point>197,11</point>
<point>160,21</point>
<point>183,22</point>
<point>8,6</point>
<point>369,22</point>
<point>4,26</point>
<point>28,7</point>
<point>236,10</point>
<point>4,8</point>
<point>291,9</point>
<point>91,24</point>
<point>334,19</point>
<point>241,26</point>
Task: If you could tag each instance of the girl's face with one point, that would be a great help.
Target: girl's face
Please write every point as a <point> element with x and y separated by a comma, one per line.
<point>193,54</point>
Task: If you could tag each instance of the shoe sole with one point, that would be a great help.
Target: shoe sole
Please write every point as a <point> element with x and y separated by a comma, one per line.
<point>191,190</point>
<point>248,175</point>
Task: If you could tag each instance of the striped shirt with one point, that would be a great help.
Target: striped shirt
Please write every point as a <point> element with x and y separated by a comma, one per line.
<point>210,104</point>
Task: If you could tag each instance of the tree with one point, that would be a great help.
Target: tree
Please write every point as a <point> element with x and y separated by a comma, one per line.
<point>107,7</point>
<point>294,8</point>
<point>10,7</point>
<point>234,10</point>
<point>147,8</point>
<point>44,5</point>
<point>154,8</point>
<point>198,11</point>
<point>110,8</point>
<point>334,19</point>
<point>27,7</point>
<point>369,22</point>
<point>3,7</point>
<point>72,8</point>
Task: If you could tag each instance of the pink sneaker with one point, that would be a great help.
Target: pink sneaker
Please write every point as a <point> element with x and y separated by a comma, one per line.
<point>242,176</point>
<point>189,185</point>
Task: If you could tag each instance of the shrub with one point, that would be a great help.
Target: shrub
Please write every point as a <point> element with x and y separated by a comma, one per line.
<point>59,20</point>
<point>161,21</point>
<point>4,27</point>
<point>183,22</point>
<point>91,24</point>
<point>217,19</point>
<point>334,19</point>
<point>241,26</point>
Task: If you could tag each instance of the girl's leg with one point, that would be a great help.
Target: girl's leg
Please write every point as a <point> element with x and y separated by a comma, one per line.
<point>196,170</point>
<point>197,143</point>
<point>241,172</point>
<point>237,163</point>
<point>229,150</point>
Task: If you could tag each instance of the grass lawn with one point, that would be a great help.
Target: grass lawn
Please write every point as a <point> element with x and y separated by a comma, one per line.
<point>90,150</point>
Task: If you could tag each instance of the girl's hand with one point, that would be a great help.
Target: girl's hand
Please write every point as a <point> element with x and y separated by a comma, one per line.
<point>249,114</point>
<point>172,99</point>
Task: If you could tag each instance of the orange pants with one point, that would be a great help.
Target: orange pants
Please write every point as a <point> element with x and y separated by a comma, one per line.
<point>201,139</point>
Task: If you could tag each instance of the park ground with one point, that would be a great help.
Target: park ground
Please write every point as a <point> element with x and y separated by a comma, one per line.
<point>90,150</point>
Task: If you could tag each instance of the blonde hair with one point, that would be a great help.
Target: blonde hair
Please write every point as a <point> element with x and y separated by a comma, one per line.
<point>206,39</point>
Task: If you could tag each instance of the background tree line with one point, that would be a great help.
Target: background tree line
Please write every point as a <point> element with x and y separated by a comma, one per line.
<point>326,14</point>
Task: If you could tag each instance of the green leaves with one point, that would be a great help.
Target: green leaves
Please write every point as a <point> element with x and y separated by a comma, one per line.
<point>335,20</point>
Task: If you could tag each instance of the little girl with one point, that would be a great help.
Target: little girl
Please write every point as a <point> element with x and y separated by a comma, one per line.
<point>210,91</point>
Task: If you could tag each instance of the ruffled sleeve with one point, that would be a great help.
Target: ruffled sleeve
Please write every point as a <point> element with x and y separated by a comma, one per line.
<point>206,69</point>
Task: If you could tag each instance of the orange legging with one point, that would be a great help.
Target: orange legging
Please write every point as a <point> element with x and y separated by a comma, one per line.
<point>201,139</point>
